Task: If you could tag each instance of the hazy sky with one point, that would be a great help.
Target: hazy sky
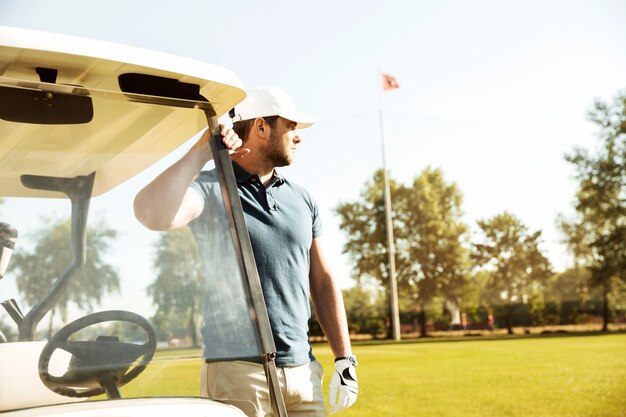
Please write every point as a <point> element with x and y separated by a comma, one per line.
<point>492,92</point>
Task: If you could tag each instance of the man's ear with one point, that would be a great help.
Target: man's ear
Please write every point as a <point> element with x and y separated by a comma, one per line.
<point>260,127</point>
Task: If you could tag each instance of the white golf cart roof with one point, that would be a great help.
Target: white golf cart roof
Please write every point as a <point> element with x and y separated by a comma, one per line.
<point>121,138</point>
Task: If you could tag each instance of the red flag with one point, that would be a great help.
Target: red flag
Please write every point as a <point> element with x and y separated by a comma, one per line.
<point>389,82</point>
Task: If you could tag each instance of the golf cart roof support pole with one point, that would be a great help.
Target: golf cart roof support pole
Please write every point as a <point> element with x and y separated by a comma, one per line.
<point>78,189</point>
<point>243,248</point>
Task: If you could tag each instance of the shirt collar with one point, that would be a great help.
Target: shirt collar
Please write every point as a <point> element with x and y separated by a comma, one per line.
<point>277,179</point>
<point>242,176</point>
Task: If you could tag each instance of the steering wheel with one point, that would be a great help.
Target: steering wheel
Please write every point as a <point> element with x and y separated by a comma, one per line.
<point>101,365</point>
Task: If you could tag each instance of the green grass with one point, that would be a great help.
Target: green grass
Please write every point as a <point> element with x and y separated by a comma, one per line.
<point>537,376</point>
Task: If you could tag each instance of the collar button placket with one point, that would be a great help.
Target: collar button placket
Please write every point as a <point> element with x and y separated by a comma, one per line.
<point>271,201</point>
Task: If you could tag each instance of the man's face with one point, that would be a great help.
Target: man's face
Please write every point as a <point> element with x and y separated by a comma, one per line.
<point>281,145</point>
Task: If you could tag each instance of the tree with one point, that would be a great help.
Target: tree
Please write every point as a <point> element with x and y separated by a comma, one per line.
<point>570,285</point>
<point>596,234</point>
<point>430,256</point>
<point>365,309</point>
<point>512,255</point>
<point>435,241</point>
<point>179,287</point>
<point>38,269</point>
<point>363,222</point>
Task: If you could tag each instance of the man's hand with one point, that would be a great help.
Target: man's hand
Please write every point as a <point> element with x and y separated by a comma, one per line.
<point>344,387</point>
<point>233,143</point>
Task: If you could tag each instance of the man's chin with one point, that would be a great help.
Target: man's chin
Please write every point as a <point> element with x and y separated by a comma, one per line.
<point>283,162</point>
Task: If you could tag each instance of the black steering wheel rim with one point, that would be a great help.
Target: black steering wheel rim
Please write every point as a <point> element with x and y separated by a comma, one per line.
<point>60,340</point>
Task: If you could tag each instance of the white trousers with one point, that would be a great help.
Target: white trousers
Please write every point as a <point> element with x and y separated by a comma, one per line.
<point>244,385</point>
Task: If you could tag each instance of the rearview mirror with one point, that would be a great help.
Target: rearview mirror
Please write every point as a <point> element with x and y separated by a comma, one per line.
<point>25,105</point>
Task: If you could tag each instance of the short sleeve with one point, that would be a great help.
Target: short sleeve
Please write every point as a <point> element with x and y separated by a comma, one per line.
<point>317,219</point>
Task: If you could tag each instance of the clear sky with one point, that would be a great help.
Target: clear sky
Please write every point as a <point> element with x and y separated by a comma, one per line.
<point>492,92</point>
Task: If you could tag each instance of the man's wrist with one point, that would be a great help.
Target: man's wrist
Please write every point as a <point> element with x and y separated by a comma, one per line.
<point>350,358</point>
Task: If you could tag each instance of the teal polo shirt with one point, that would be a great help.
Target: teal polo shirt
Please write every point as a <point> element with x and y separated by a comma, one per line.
<point>282,221</point>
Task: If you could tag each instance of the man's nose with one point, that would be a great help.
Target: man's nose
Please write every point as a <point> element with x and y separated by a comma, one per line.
<point>296,137</point>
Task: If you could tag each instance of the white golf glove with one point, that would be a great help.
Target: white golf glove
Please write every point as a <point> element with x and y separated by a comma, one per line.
<point>344,387</point>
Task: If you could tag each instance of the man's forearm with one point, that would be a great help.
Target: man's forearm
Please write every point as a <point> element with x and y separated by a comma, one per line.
<point>331,315</point>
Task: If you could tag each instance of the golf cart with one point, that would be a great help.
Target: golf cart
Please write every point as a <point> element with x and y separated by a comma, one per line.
<point>81,119</point>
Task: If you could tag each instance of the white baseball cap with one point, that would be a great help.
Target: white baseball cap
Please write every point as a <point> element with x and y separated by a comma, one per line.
<point>270,101</point>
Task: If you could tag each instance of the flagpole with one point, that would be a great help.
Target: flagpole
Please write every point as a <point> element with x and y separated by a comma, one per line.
<point>391,250</point>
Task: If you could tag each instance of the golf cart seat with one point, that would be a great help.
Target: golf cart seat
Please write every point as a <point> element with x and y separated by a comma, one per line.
<point>20,385</point>
<point>22,394</point>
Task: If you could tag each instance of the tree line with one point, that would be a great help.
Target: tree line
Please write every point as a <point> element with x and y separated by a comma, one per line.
<point>441,268</point>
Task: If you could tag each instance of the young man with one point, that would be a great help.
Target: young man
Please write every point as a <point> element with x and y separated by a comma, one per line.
<point>285,230</point>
